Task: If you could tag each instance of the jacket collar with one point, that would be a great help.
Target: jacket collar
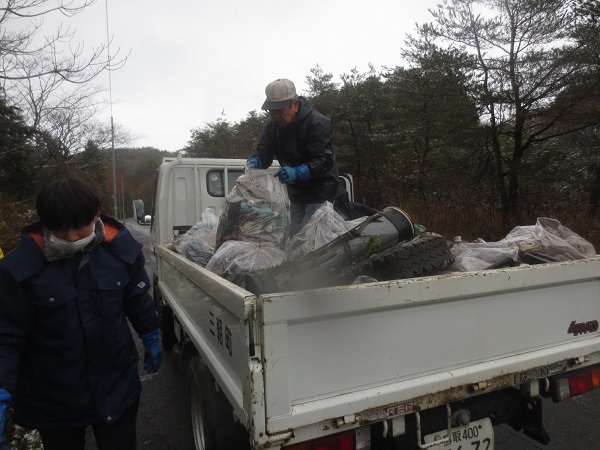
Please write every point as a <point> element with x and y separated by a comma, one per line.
<point>29,257</point>
<point>55,252</point>
<point>119,241</point>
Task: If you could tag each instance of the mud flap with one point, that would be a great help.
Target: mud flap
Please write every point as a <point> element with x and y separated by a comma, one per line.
<point>532,421</point>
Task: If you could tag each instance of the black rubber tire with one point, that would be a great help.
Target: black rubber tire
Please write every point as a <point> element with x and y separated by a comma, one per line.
<point>199,388</point>
<point>426,254</point>
<point>213,424</point>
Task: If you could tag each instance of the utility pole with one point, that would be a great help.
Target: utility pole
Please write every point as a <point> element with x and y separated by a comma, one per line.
<point>112,126</point>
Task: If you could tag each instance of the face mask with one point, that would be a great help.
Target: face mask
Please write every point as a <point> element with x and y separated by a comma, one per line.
<point>72,246</point>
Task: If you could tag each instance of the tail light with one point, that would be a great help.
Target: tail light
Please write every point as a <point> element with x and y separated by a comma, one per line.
<point>358,439</point>
<point>343,442</point>
<point>577,384</point>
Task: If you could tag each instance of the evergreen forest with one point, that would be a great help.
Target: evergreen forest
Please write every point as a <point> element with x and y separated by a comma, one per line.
<point>491,121</point>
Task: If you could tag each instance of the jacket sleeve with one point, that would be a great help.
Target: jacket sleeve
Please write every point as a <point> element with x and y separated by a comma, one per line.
<point>16,318</point>
<point>319,147</point>
<point>266,146</point>
<point>139,304</point>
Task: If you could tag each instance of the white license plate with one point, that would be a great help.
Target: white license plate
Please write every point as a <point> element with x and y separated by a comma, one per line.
<point>478,435</point>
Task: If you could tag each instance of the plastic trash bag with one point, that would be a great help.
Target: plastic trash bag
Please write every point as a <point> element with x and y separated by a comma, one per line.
<point>324,226</point>
<point>257,209</point>
<point>472,256</point>
<point>198,244</point>
<point>549,241</point>
<point>362,279</point>
<point>236,259</point>
<point>546,241</point>
<point>201,248</point>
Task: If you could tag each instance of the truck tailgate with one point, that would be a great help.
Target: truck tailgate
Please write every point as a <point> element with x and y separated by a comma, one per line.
<point>341,351</point>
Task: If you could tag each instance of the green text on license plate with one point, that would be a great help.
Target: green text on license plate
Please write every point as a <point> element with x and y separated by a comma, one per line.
<point>478,435</point>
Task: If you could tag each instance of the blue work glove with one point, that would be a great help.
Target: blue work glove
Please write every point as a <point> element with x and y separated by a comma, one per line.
<point>153,354</point>
<point>253,162</point>
<point>289,174</point>
<point>5,400</point>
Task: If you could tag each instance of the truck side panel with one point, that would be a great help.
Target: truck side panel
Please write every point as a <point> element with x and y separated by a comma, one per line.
<point>217,328</point>
<point>334,352</point>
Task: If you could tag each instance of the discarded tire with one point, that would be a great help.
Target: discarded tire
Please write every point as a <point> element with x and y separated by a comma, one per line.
<point>426,254</point>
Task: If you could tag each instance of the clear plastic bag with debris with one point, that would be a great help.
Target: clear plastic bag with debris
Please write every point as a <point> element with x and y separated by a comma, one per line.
<point>198,244</point>
<point>236,259</point>
<point>472,256</point>
<point>257,210</point>
<point>324,226</point>
<point>362,279</point>
<point>546,241</point>
<point>549,241</point>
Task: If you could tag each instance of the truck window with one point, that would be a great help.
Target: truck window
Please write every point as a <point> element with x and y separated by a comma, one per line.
<point>215,181</point>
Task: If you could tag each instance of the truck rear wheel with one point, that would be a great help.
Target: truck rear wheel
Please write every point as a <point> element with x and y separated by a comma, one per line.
<point>426,254</point>
<point>213,425</point>
<point>203,433</point>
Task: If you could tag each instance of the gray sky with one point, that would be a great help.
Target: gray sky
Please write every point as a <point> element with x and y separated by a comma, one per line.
<point>193,59</point>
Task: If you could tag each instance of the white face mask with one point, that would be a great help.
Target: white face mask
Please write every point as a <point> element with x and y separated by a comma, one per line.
<point>72,246</point>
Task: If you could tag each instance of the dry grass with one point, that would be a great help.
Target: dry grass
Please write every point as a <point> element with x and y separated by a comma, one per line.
<point>473,223</point>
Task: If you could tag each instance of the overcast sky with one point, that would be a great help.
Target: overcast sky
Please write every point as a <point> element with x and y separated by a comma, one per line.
<point>191,60</point>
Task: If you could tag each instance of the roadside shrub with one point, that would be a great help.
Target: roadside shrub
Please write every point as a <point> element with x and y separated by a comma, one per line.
<point>13,216</point>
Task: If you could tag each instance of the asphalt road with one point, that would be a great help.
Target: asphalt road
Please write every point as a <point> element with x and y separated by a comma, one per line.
<point>164,424</point>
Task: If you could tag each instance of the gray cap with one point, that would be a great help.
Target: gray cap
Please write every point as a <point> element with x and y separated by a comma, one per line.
<point>279,93</point>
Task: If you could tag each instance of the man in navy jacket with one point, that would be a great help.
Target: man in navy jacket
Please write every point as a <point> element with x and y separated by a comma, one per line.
<point>67,295</point>
<point>299,137</point>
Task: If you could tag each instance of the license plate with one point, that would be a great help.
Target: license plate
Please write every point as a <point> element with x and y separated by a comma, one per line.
<point>478,435</point>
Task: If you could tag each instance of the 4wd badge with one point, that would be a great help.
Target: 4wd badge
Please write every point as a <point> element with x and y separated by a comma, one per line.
<point>583,327</point>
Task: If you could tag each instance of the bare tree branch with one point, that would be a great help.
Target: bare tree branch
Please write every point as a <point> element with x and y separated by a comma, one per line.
<point>54,55</point>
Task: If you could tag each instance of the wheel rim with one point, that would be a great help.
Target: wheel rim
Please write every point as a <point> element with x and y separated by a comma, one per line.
<point>197,414</point>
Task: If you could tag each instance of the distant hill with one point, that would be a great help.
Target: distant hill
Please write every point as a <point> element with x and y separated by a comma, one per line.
<point>135,175</point>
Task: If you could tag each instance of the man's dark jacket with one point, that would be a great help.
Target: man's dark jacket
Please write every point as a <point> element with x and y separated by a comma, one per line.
<point>307,140</point>
<point>67,354</point>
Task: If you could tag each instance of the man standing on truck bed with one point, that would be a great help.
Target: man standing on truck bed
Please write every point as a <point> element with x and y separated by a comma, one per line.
<point>300,138</point>
<point>67,292</point>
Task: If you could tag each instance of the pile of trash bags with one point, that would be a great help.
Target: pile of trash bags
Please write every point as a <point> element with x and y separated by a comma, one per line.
<point>251,235</point>
<point>252,231</point>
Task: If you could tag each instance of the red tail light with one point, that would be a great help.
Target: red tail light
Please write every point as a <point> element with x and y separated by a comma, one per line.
<point>339,442</point>
<point>577,384</point>
<point>342,441</point>
<point>584,382</point>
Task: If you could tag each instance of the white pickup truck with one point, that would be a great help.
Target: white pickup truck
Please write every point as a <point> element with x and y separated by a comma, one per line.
<point>429,362</point>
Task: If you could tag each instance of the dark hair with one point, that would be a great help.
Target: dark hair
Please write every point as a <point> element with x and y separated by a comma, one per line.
<point>67,203</point>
